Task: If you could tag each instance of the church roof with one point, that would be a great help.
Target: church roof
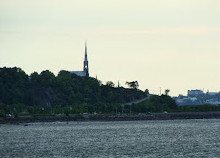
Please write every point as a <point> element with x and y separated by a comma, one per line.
<point>79,73</point>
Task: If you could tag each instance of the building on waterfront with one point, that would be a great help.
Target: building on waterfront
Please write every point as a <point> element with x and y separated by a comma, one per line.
<point>195,92</point>
<point>198,97</point>
<point>211,93</point>
<point>85,71</point>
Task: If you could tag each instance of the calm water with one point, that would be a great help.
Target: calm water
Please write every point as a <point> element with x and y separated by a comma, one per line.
<point>178,138</point>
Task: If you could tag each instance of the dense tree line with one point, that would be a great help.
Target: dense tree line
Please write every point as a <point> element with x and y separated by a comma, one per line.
<point>156,104</point>
<point>199,108</point>
<point>65,89</point>
<point>165,103</point>
<point>16,87</point>
<point>46,94</point>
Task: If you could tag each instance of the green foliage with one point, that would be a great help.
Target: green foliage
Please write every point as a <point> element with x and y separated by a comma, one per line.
<point>45,94</point>
<point>47,78</point>
<point>156,104</point>
<point>14,86</point>
<point>84,94</point>
<point>147,91</point>
<point>110,84</point>
<point>2,110</point>
<point>199,108</point>
<point>133,84</point>
<point>167,91</point>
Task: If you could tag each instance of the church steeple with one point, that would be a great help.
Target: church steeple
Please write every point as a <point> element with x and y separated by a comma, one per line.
<point>86,66</point>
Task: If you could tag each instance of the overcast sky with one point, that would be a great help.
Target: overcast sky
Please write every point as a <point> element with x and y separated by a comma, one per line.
<point>172,44</point>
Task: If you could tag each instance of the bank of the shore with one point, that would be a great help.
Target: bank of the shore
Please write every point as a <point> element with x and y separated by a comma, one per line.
<point>154,116</point>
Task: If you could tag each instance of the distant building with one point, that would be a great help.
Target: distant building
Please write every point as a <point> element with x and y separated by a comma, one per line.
<point>213,101</point>
<point>194,92</point>
<point>85,71</point>
<point>198,97</point>
<point>212,93</point>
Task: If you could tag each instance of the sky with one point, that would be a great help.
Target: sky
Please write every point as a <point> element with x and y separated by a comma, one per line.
<point>163,44</point>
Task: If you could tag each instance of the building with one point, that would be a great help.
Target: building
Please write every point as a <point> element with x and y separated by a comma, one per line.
<point>211,93</point>
<point>198,97</point>
<point>194,92</point>
<point>85,71</point>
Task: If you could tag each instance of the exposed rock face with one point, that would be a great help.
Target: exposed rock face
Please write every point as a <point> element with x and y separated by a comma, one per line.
<point>46,96</point>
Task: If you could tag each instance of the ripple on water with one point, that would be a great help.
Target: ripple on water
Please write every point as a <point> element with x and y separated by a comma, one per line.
<point>179,138</point>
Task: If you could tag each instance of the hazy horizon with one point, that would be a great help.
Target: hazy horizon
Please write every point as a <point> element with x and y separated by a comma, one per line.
<point>165,43</point>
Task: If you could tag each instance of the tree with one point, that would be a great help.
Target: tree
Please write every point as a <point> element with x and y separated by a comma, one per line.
<point>167,91</point>
<point>34,77</point>
<point>14,85</point>
<point>146,91</point>
<point>46,89</point>
<point>133,84</point>
<point>64,74</point>
<point>47,78</point>
<point>110,84</point>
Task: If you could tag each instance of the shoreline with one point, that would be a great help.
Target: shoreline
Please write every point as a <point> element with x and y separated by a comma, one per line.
<point>153,116</point>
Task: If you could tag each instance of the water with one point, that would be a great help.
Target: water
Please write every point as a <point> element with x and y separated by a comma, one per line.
<point>178,138</point>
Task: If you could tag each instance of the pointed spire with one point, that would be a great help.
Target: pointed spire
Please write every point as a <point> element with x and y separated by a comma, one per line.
<point>86,66</point>
<point>85,51</point>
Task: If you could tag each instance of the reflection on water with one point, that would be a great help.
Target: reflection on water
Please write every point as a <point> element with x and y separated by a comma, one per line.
<point>178,138</point>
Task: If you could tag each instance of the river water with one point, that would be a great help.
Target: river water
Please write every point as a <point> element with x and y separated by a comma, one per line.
<point>165,139</point>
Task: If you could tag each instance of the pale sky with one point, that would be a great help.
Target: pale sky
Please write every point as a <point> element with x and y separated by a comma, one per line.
<point>172,44</point>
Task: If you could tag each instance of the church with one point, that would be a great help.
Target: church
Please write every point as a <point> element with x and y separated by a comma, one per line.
<point>85,71</point>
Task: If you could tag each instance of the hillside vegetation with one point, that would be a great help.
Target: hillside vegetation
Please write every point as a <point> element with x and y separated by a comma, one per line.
<point>45,94</point>
<point>45,90</point>
<point>16,87</point>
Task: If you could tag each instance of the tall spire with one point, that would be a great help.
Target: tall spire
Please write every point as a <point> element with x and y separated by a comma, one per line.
<point>86,66</point>
<point>85,51</point>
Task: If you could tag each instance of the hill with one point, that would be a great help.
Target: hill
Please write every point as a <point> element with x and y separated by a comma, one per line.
<point>45,94</point>
<point>46,89</point>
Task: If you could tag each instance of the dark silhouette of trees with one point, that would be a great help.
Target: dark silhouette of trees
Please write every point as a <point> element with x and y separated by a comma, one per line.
<point>156,104</point>
<point>133,84</point>
<point>46,94</point>
<point>167,91</point>
<point>46,89</point>
<point>147,91</point>
<point>110,84</point>
<point>14,86</point>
